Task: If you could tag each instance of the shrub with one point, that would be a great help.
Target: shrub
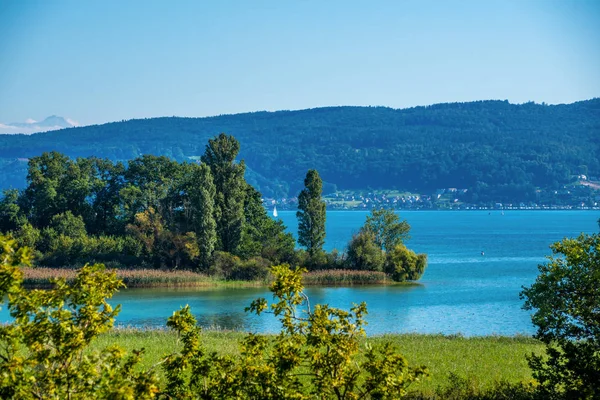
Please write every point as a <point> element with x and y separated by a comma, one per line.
<point>68,224</point>
<point>44,353</point>
<point>404,264</point>
<point>335,259</point>
<point>256,268</point>
<point>64,250</point>
<point>364,253</point>
<point>223,264</point>
<point>316,261</point>
<point>27,235</point>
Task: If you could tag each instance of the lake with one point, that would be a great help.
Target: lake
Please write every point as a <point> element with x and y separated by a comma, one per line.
<point>478,262</point>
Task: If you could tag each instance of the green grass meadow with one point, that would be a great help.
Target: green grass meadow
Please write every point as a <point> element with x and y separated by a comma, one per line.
<point>484,360</point>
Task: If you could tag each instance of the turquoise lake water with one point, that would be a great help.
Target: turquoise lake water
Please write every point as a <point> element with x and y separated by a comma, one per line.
<point>462,291</point>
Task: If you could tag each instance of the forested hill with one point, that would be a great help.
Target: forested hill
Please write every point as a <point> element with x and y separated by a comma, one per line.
<point>494,148</point>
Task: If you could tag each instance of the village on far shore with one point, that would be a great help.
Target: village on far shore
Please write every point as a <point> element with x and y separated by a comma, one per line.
<point>582,194</point>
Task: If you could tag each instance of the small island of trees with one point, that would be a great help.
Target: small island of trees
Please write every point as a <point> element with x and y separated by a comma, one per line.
<point>156,213</point>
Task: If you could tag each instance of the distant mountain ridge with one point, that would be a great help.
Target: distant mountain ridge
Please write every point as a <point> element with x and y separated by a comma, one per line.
<point>493,148</point>
<point>52,122</point>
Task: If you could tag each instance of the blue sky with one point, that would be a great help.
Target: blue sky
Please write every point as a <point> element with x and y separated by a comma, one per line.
<point>99,61</point>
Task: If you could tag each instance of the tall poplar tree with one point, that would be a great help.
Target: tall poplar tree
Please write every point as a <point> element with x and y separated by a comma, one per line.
<point>202,196</point>
<point>230,188</point>
<point>311,214</point>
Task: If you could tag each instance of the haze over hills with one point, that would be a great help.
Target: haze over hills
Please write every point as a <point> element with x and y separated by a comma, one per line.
<point>30,126</point>
<point>497,150</point>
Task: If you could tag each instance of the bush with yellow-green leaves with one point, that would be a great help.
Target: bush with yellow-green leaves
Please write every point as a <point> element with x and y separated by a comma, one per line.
<point>43,352</point>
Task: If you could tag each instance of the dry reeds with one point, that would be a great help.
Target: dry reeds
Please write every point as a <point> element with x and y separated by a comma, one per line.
<point>344,277</point>
<point>139,278</point>
<point>40,277</point>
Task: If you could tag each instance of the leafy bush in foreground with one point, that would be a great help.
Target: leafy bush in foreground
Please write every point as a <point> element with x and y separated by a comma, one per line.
<point>316,355</point>
<point>43,353</point>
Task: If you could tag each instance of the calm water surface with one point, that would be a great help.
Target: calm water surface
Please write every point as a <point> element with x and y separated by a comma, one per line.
<point>462,291</point>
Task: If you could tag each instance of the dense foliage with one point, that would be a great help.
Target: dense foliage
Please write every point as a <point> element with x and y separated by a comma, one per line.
<point>45,353</point>
<point>499,151</point>
<point>230,190</point>
<point>311,214</point>
<point>566,300</point>
<point>152,212</point>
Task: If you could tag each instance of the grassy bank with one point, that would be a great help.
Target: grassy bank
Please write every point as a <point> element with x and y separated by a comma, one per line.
<point>484,360</point>
<point>140,278</point>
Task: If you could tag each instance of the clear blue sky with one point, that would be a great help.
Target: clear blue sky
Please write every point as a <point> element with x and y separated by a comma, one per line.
<point>99,61</point>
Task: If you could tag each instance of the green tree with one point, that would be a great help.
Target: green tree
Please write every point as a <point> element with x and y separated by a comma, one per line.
<point>263,236</point>
<point>57,184</point>
<point>152,182</point>
<point>28,236</point>
<point>68,225</point>
<point>43,198</point>
<point>202,202</point>
<point>163,247</point>
<point>106,203</point>
<point>311,214</point>
<point>11,216</point>
<point>378,246</point>
<point>78,187</point>
<point>364,254</point>
<point>230,185</point>
<point>566,303</point>
<point>387,229</point>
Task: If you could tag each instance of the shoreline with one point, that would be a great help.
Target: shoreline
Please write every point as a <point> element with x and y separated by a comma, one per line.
<point>474,208</point>
<point>39,278</point>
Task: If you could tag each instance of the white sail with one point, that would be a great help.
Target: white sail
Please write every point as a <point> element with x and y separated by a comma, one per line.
<point>275,211</point>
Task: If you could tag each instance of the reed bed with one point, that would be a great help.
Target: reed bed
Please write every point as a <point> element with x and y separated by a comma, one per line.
<point>345,277</point>
<point>148,278</point>
<point>155,278</point>
<point>39,278</point>
<point>134,278</point>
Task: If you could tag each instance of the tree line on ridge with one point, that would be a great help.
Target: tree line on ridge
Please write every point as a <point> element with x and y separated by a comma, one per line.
<point>498,151</point>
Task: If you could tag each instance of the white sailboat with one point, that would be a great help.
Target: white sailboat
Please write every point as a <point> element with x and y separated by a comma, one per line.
<point>275,211</point>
